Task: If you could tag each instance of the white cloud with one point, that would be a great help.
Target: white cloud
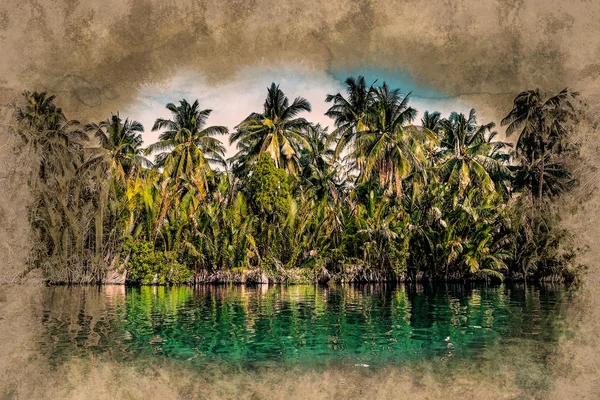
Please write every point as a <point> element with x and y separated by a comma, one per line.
<point>234,100</point>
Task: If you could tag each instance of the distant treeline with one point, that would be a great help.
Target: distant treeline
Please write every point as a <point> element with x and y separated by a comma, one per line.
<point>380,197</point>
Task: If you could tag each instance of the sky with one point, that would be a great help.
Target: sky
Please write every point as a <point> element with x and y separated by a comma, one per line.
<point>235,99</point>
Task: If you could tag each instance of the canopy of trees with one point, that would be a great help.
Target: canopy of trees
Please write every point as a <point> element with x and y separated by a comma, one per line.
<point>379,197</point>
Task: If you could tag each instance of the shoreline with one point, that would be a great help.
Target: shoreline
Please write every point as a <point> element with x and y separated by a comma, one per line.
<point>219,279</point>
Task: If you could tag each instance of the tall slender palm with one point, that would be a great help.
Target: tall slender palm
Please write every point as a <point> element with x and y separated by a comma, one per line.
<point>187,148</point>
<point>392,156</point>
<point>543,125</point>
<point>557,178</point>
<point>389,110</point>
<point>121,142</point>
<point>384,147</point>
<point>350,113</point>
<point>50,138</point>
<point>432,121</point>
<point>318,153</point>
<point>67,214</point>
<point>39,112</point>
<point>468,153</point>
<point>53,142</point>
<point>120,157</point>
<point>319,169</point>
<point>277,130</point>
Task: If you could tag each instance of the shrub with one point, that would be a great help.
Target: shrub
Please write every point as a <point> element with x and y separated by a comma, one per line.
<point>147,266</point>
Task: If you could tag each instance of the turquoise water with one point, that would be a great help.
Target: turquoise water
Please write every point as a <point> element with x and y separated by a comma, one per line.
<point>301,326</point>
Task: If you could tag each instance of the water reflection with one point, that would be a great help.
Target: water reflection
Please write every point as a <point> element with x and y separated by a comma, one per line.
<point>366,325</point>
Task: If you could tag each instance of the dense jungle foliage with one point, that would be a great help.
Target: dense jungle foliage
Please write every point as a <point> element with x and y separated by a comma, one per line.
<point>379,197</point>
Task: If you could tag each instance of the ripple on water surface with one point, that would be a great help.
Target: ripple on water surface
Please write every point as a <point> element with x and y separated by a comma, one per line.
<point>308,326</point>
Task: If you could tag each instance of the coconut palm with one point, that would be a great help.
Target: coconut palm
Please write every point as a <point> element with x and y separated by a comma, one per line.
<point>542,126</point>
<point>121,144</point>
<point>386,149</point>
<point>50,139</point>
<point>432,121</point>
<point>350,113</point>
<point>69,199</point>
<point>391,157</point>
<point>469,155</point>
<point>187,148</point>
<point>557,178</point>
<point>277,131</point>
<point>39,112</point>
<point>319,169</point>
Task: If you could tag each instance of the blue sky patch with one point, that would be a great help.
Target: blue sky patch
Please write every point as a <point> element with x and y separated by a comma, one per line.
<point>394,78</point>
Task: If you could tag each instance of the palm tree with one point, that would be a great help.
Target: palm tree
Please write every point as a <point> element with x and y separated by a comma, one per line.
<point>371,120</point>
<point>187,148</point>
<point>468,153</point>
<point>277,130</point>
<point>319,170</point>
<point>68,209</point>
<point>350,113</point>
<point>385,148</point>
<point>431,121</point>
<point>118,157</point>
<point>121,144</point>
<point>50,138</point>
<point>502,153</point>
<point>557,178</point>
<point>380,234</point>
<point>442,190</point>
<point>389,110</point>
<point>483,255</point>
<point>392,156</point>
<point>543,126</point>
<point>40,112</point>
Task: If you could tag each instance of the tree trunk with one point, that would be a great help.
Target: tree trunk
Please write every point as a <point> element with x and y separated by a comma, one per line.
<point>541,178</point>
<point>99,230</point>
<point>398,183</point>
<point>542,165</point>
<point>382,173</point>
<point>457,148</point>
